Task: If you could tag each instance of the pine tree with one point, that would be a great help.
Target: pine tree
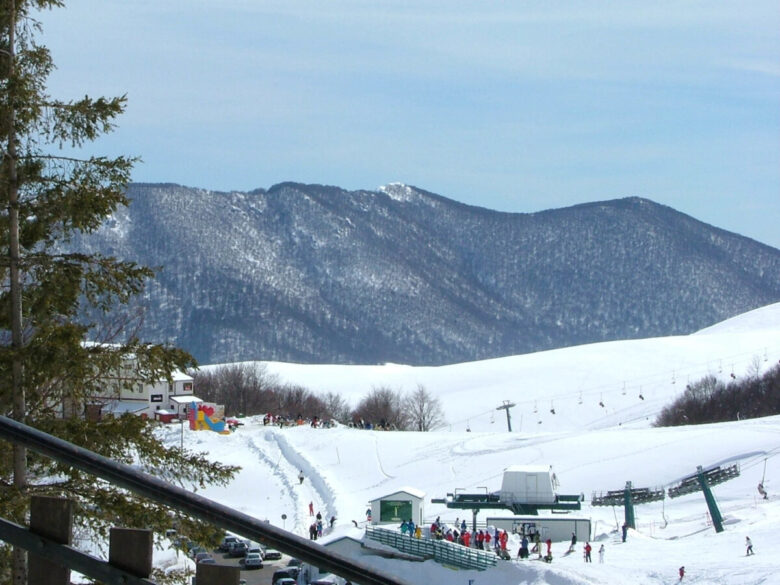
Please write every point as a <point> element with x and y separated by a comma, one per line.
<point>45,360</point>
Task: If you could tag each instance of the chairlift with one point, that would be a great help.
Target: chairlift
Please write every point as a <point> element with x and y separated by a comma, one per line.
<point>552,408</point>
<point>641,397</point>
<point>535,409</point>
<point>673,380</point>
<point>601,400</point>
<point>624,388</point>
<point>492,418</point>
<point>580,400</point>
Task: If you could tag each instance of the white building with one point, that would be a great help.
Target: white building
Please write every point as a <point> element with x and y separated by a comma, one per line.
<point>162,400</point>
<point>405,504</point>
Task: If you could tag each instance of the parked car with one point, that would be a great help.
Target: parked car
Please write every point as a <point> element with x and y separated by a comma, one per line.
<point>254,548</point>
<point>197,550</point>
<point>238,549</point>
<point>271,554</point>
<point>200,556</point>
<point>293,562</point>
<point>253,560</point>
<point>227,542</point>
<point>288,573</point>
<point>208,561</point>
<point>286,581</point>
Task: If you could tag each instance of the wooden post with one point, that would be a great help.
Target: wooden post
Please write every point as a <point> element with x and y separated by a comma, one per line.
<point>130,549</point>
<point>52,518</point>
<point>216,575</point>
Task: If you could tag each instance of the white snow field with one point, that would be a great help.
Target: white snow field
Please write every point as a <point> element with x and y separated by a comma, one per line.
<point>591,448</point>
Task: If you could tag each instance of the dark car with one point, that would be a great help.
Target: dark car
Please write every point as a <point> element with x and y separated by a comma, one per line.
<point>288,573</point>
<point>238,549</point>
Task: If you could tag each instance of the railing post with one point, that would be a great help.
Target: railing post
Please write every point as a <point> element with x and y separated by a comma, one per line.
<point>52,518</point>
<point>216,575</point>
<point>130,549</point>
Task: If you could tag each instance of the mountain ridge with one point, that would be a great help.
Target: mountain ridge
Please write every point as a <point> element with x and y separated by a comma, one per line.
<point>318,274</point>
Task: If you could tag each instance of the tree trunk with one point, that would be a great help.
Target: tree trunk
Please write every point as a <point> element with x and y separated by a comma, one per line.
<point>15,285</point>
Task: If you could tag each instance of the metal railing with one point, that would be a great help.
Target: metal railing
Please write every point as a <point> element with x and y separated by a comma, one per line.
<point>442,551</point>
<point>194,505</point>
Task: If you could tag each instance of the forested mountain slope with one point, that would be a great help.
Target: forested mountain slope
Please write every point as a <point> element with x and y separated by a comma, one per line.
<point>318,274</point>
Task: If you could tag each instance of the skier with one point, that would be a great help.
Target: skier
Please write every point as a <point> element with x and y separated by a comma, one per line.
<point>682,573</point>
<point>311,508</point>
<point>588,548</point>
<point>300,476</point>
<point>573,542</point>
<point>625,531</point>
<point>601,554</point>
<point>523,552</point>
<point>749,545</point>
<point>761,490</point>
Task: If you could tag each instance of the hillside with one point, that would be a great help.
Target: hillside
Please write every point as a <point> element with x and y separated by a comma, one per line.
<point>592,451</point>
<point>313,274</point>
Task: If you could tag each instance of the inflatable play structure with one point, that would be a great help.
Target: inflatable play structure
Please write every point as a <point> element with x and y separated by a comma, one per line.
<point>205,416</point>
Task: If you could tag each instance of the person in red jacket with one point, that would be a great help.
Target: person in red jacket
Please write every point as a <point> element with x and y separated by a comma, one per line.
<point>504,539</point>
<point>487,540</point>
<point>588,548</point>
<point>480,540</point>
<point>466,538</point>
<point>682,573</point>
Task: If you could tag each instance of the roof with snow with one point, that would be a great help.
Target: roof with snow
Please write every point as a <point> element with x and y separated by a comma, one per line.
<point>419,494</point>
<point>185,399</point>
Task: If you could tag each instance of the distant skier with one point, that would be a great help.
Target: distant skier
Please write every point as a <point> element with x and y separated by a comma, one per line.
<point>573,542</point>
<point>300,476</point>
<point>682,572</point>
<point>311,508</point>
<point>588,548</point>
<point>761,490</point>
<point>601,554</point>
<point>625,531</point>
<point>749,545</point>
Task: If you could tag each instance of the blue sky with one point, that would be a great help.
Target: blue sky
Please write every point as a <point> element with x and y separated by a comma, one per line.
<point>516,106</point>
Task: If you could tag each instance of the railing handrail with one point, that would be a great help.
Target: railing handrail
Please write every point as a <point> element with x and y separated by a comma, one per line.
<point>197,506</point>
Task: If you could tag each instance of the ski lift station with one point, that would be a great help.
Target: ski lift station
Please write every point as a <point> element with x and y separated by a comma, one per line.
<point>525,489</point>
<point>553,527</point>
<point>525,485</point>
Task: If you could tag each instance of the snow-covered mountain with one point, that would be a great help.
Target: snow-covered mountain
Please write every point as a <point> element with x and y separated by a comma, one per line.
<point>316,274</point>
<point>591,448</point>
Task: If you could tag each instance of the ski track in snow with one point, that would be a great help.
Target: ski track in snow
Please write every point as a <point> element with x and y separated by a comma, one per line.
<point>290,463</point>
